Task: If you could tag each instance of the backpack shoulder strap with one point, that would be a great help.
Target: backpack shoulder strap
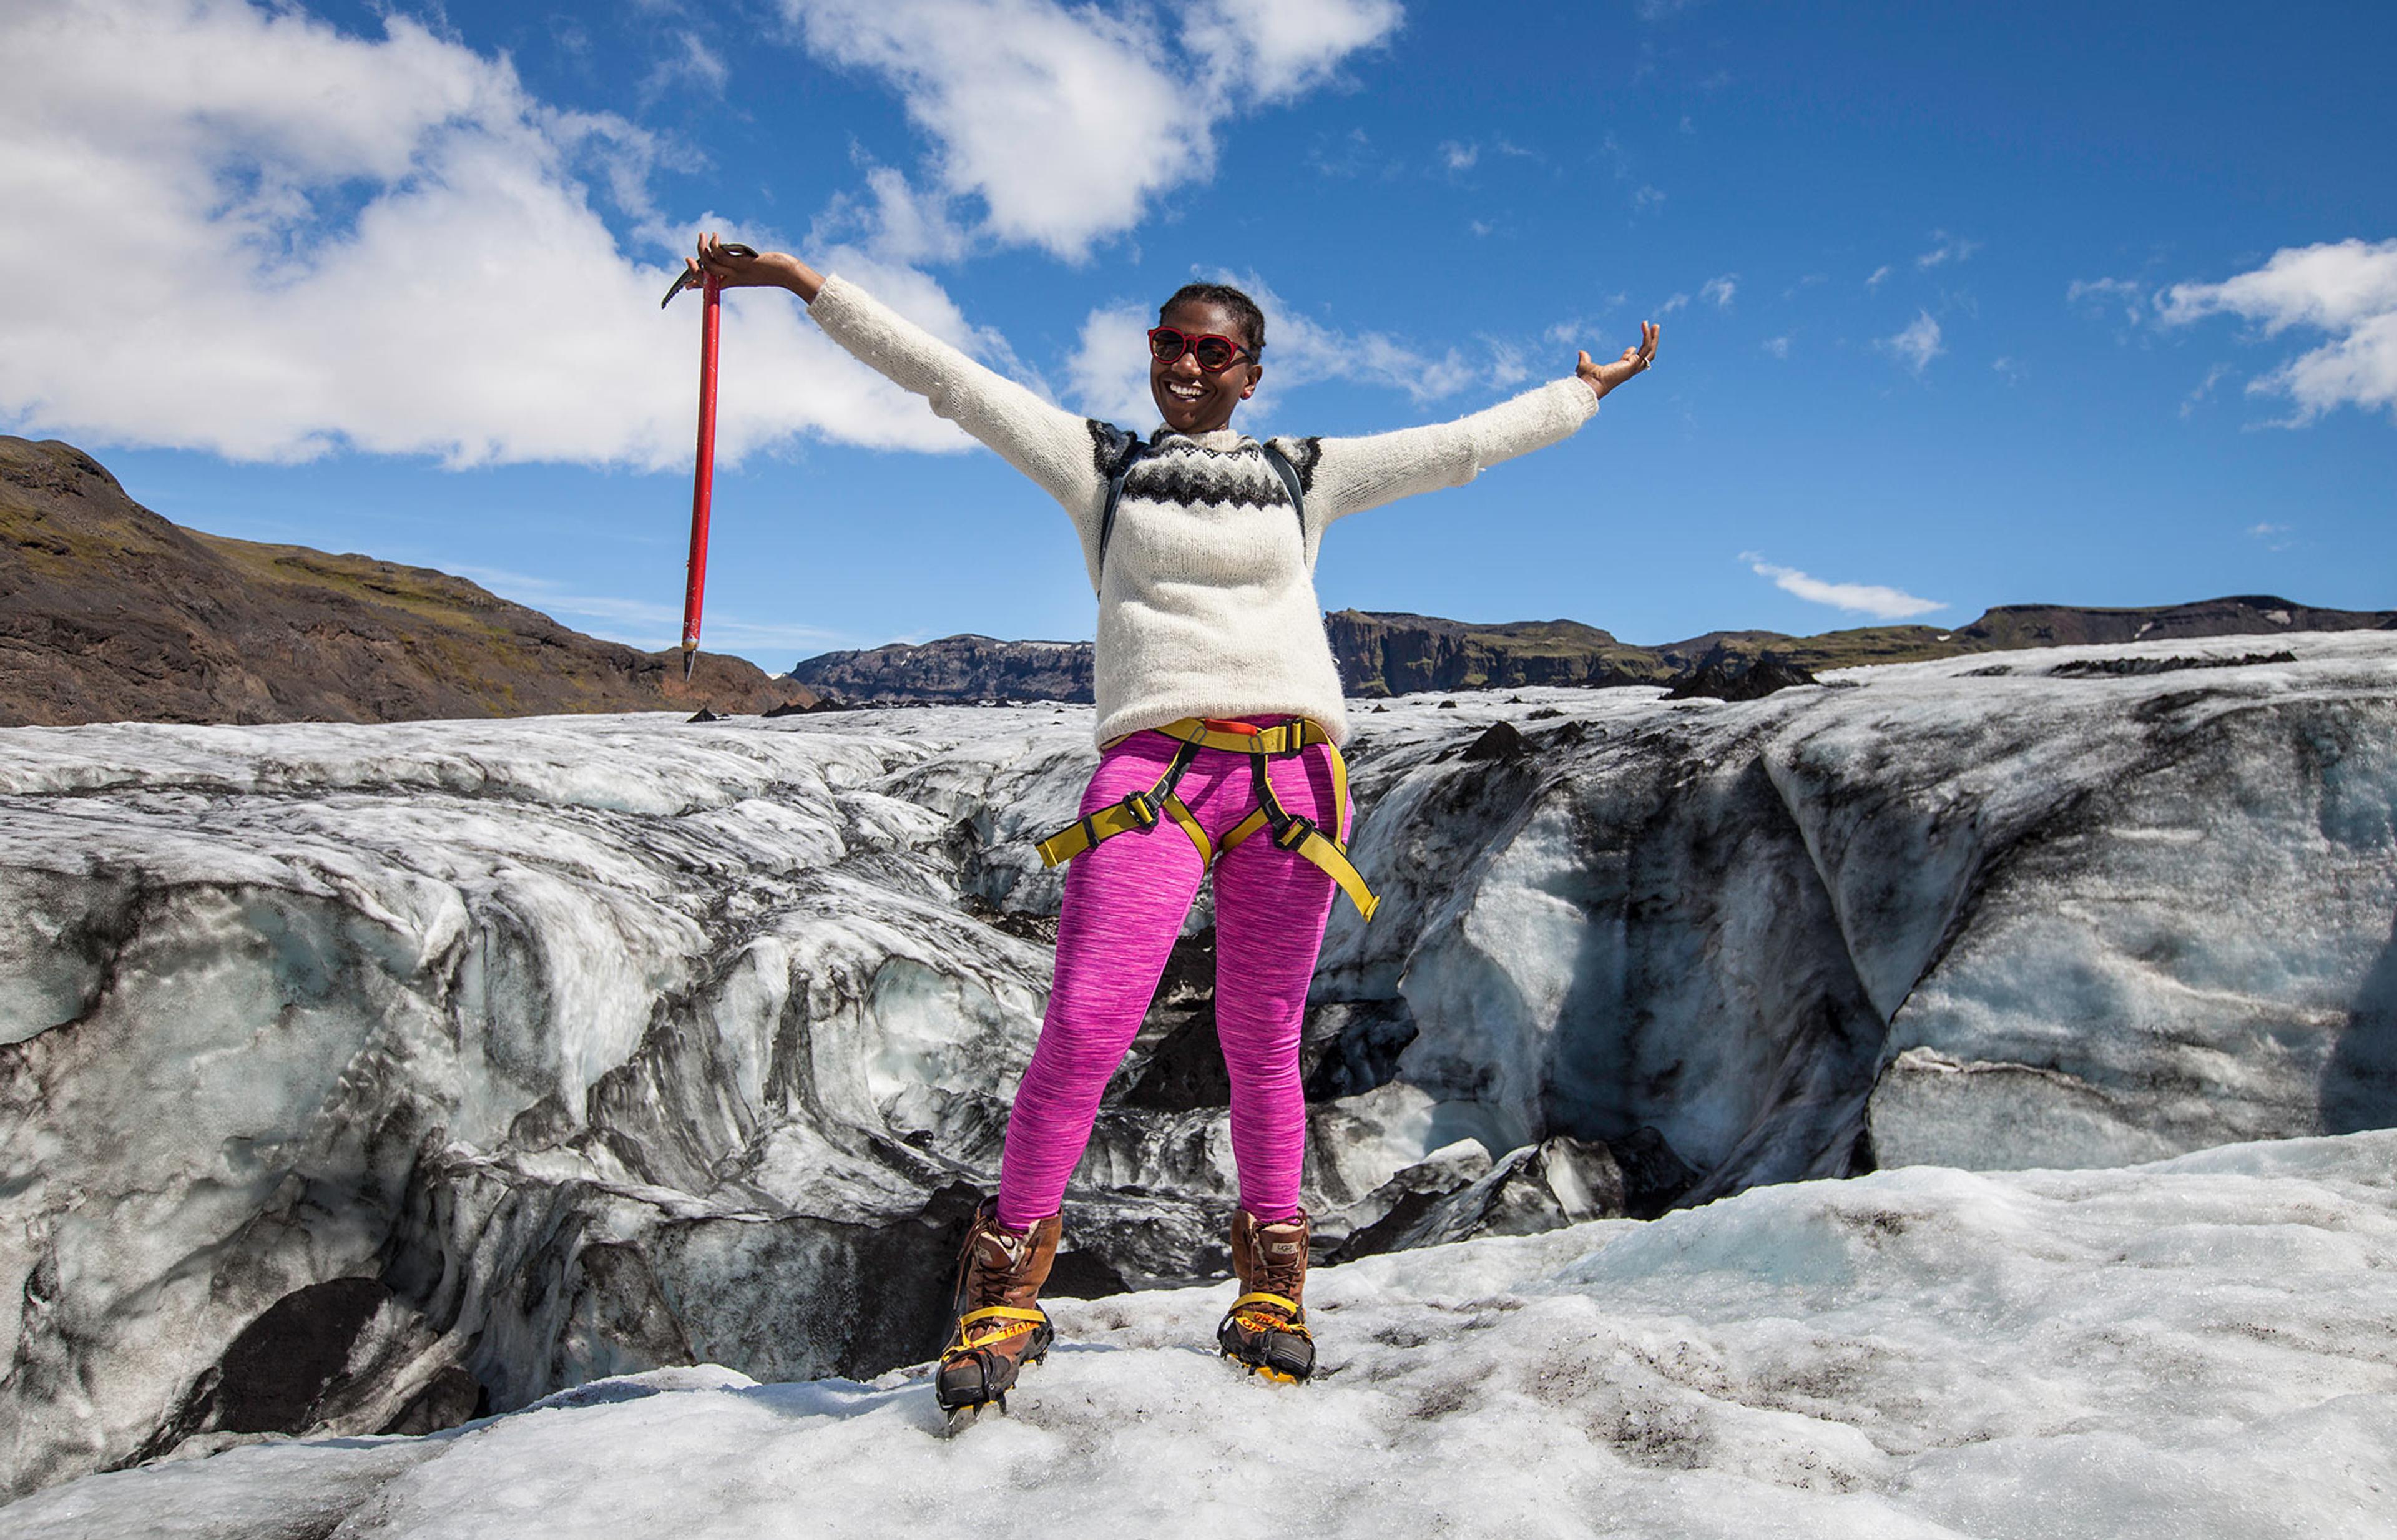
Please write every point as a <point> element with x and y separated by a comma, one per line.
<point>1289,474</point>
<point>1135,452</point>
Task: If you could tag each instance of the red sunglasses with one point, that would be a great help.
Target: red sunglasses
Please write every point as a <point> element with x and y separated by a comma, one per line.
<point>1214,353</point>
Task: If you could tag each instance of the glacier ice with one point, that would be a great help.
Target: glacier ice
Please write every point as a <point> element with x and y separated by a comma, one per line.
<point>362,1077</point>
<point>2197,1348</point>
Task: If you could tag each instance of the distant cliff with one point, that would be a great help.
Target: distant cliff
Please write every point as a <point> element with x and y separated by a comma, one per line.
<point>109,612</point>
<point>1399,654</point>
<point>954,669</point>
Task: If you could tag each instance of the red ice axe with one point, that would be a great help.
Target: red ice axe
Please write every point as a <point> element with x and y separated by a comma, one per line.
<point>702,479</point>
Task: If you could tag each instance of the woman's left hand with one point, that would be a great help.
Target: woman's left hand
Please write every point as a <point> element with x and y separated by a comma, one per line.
<point>1605,377</point>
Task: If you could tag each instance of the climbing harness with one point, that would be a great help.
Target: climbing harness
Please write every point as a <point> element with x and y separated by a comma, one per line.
<point>1145,810</point>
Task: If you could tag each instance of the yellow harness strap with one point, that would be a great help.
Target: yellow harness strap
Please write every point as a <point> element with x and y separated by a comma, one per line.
<point>1300,836</point>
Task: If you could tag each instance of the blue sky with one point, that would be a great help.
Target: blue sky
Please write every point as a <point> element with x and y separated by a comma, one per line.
<point>1962,305</point>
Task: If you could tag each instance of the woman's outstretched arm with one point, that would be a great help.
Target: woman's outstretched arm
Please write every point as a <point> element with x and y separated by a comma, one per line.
<point>1351,474</point>
<point>766,270</point>
<point>1046,443</point>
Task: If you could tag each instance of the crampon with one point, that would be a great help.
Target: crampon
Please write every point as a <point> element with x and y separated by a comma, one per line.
<point>1265,1328</point>
<point>1000,1328</point>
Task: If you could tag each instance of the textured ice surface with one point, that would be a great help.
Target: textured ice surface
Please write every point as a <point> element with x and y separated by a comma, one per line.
<point>2207,1346</point>
<point>580,1047</point>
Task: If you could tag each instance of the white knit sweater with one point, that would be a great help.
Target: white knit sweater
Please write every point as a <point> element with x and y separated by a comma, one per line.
<point>1207,604</point>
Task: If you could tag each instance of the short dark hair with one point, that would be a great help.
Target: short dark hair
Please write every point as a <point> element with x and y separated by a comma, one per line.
<point>1244,310</point>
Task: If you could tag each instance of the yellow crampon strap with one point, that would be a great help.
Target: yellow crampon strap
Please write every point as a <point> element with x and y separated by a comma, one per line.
<point>968,1338</point>
<point>1300,836</point>
<point>1290,1306</point>
<point>1293,1319</point>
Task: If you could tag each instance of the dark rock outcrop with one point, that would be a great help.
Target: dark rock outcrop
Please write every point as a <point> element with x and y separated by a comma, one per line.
<point>954,669</point>
<point>2019,625</point>
<point>1384,654</point>
<point>1402,654</point>
<point>1723,675</point>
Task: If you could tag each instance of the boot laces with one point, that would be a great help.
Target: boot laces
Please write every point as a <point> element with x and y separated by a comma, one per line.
<point>997,1255</point>
<point>1283,1272</point>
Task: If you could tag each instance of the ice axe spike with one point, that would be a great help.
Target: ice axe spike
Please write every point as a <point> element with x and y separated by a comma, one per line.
<point>702,480</point>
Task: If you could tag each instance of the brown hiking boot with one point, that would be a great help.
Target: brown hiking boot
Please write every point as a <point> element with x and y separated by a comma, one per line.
<point>1000,1325</point>
<point>1265,1328</point>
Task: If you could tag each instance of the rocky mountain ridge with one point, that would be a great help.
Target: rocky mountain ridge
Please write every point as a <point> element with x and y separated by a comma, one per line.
<point>109,612</point>
<point>1386,654</point>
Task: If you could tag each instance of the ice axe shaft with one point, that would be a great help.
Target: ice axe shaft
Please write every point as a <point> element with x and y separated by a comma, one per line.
<point>702,479</point>
<point>702,475</point>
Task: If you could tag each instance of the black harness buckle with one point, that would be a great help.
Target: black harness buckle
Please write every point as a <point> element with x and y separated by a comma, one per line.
<point>1291,832</point>
<point>1144,808</point>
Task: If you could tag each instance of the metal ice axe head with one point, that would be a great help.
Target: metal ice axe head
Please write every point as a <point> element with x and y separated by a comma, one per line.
<point>690,279</point>
<point>702,480</point>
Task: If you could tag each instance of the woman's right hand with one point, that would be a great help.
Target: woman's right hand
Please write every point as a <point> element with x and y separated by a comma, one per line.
<point>766,270</point>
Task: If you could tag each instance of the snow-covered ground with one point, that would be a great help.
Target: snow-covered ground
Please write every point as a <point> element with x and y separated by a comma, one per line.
<point>2201,1347</point>
<point>350,1076</point>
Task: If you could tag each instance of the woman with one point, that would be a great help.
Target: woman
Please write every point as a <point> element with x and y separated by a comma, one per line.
<point>1219,717</point>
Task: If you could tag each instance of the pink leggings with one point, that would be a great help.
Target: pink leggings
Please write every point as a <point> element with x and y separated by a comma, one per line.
<point>1124,904</point>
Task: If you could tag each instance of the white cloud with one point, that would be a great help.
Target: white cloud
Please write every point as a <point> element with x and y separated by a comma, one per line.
<point>1647,199</point>
<point>383,242</point>
<point>1064,123</point>
<point>1349,155</point>
<point>1679,301</point>
<point>2008,368</point>
<point>1863,599</point>
<point>688,60</point>
<point>1948,249</point>
<point>1510,364</point>
<point>2101,292</point>
<point>2274,536</point>
<point>1721,289</point>
<point>2346,288</point>
<point>1575,333</point>
<point>897,220</point>
<point>1917,345</point>
<point>1278,49</point>
<point>1873,281</point>
<point>1778,346</point>
<point>1459,157</point>
<point>1108,373</point>
<point>2196,397</point>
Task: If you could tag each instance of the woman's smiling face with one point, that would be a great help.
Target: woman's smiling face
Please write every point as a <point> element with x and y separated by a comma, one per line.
<point>1191,400</point>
